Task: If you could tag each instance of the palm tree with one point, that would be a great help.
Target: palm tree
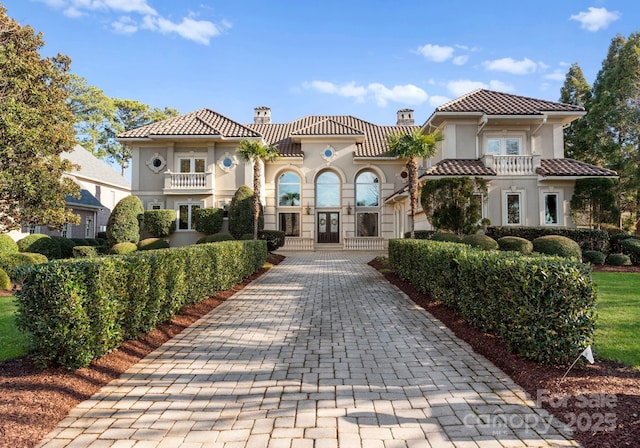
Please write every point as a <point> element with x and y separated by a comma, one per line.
<point>410,146</point>
<point>255,151</point>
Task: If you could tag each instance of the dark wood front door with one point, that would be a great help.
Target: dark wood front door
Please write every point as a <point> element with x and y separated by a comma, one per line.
<point>328,227</point>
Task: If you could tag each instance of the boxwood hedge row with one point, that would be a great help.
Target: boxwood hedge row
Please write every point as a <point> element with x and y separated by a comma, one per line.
<point>78,310</point>
<point>588,239</point>
<point>541,306</point>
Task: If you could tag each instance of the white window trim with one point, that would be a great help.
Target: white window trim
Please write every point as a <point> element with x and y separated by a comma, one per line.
<point>291,211</point>
<point>191,156</point>
<point>523,205</point>
<point>292,208</point>
<point>362,210</point>
<point>190,223</point>
<point>503,145</point>
<point>155,203</point>
<point>560,210</point>
<point>66,230</point>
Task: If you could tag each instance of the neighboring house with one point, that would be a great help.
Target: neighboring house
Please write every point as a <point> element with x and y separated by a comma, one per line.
<point>334,185</point>
<point>101,187</point>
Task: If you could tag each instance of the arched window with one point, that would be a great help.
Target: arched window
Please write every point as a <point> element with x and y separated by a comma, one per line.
<point>367,203</point>
<point>289,189</point>
<point>328,190</point>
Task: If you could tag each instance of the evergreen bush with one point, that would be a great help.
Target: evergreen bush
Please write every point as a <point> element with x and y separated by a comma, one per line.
<point>80,241</point>
<point>123,225</point>
<point>215,238</point>
<point>7,245</point>
<point>446,237</point>
<point>618,260</point>
<point>85,251</point>
<point>39,243</point>
<point>66,246</point>
<point>631,247</point>
<point>123,248</point>
<point>479,241</point>
<point>557,245</point>
<point>517,244</point>
<point>241,213</point>
<point>588,239</point>
<point>593,257</point>
<point>209,220</point>
<point>246,236</point>
<point>421,234</point>
<point>274,239</point>
<point>5,281</point>
<point>153,244</point>
<point>15,264</point>
<point>160,223</point>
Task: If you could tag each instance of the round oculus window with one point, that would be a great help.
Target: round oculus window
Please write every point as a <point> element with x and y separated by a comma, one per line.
<point>157,163</point>
<point>227,162</point>
<point>328,152</point>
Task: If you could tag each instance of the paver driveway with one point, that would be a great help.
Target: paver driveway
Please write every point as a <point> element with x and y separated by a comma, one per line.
<point>319,352</point>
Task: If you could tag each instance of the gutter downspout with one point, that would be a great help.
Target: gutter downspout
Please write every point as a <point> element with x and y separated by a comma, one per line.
<point>483,122</point>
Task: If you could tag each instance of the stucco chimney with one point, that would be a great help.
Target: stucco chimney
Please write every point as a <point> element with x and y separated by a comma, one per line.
<point>262,115</point>
<point>405,117</point>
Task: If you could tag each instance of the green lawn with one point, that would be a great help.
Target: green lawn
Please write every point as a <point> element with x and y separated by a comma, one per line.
<point>618,324</point>
<point>12,342</point>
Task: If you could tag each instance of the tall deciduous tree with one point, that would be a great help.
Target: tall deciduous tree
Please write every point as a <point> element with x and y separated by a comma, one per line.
<point>256,152</point>
<point>411,146</point>
<point>35,128</point>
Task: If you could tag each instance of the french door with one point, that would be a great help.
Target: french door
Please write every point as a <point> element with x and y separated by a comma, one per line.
<point>328,227</point>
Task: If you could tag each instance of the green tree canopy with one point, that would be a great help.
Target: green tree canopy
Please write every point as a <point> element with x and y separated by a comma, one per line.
<point>576,90</point>
<point>241,217</point>
<point>411,146</point>
<point>454,203</point>
<point>35,128</point>
<point>594,202</point>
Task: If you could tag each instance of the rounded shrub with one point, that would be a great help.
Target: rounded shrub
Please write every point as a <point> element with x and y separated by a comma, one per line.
<point>447,237</point>
<point>85,251</point>
<point>515,243</point>
<point>123,248</point>
<point>123,225</point>
<point>66,246</point>
<point>618,260</point>
<point>39,243</point>
<point>5,281</point>
<point>483,242</point>
<point>160,223</point>
<point>421,234</point>
<point>153,244</point>
<point>12,263</point>
<point>80,242</point>
<point>593,257</point>
<point>241,213</point>
<point>7,245</point>
<point>557,245</point>
<point>631,247</point>
<point>246,236</point>
<point>274,239</point>
<point>615,242</point>
<point>215,238</point>
<point>209,220</point>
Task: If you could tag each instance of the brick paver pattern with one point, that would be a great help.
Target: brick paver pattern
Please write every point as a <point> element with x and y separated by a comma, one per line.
<point>319,352</point>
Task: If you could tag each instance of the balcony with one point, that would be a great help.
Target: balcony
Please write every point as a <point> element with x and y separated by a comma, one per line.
<point>521,165</point>
<point>188,183</point>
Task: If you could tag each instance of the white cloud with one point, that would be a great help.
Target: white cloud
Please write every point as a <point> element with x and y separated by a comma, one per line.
<point>596,18</point>
<point>460,60</point>
<point>200,31</point>
<point>512,66</point>
<point>125,25</point>
<point>500,86</point>
<point>557,75</point>
<point>406,94</point>
<point>436,53</point>
<point>463,86</point>
<point>438,100</point>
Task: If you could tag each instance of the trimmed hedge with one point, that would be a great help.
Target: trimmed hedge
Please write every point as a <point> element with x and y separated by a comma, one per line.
<point>446,237</point>
<point>123,224</point>
<point>209,220</point>
<point>85,251</point>
<point>274,239</point>
<point>541,306</point>
<point>15,265</point>
<point>421,234</point>
<point>588,239</point>
<point>153,244</point>
<point>39,243</point>
<point>615,242</point>
<point>241,213</point>
<point>618,260</point>
<point>80,242</point>
<point>7,245</point>
<point>159,223</point>
<point>481,242</point>
<point>5,281</point>
<point>66,246</point>
<point>215,238</point>
<point>593,257</point>
<point>123,248</point>
<point>631,247</point>
<point>516,244</point>
<point>78,310</point>
<point>557,245</point>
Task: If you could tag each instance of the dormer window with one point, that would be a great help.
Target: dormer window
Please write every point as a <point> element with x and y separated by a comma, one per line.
<point>504,146</point>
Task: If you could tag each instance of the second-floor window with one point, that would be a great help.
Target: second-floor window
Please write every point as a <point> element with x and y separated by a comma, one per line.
<point>504,146</point>
<point>192,164</point>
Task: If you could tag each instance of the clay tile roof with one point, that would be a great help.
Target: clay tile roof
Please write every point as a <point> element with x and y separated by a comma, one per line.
<point>498,103</point>
<point>327,126</point>
<point>459,167</point>
<point>200,122</point>
<point>570,167</point>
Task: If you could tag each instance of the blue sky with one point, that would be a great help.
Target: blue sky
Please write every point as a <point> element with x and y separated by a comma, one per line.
<point>366,58</point>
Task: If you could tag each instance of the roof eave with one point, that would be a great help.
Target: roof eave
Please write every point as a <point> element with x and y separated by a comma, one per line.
<point>575,177</point>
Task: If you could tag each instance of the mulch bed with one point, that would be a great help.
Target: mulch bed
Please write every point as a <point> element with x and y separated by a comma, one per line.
<point>601,402</point>
<point>33,401</point>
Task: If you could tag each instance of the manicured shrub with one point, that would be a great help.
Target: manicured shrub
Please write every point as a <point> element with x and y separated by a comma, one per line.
<point>102,235</point>
<point>541,306</point>
<point>123,248</point>
<point>78,310</point>
<point>66,246</point>
<point>274,239</point>
<point>241,213</point>
<point>160,223</point>
<point>7,245</point>
<point>40,244</point>
<point>479,241</point>
<point>446,237</point>
<point>557,245</point>
<point>593,257</point>
<point>215,238</point>
<point>421,234</point>
<point>616,240</point>
<point>85,251</point>
<point>631,247</point>
<point>588,239</point>
<point>5,281</point>
<point>124,222</point>
<point>153,244</point>
<point>618,260</point>
<point>16,264</point>
<point>93,242</point>
<point>246,236</point>
<point>209,220</point>
<point>516,244</point>
<point>80,242</point>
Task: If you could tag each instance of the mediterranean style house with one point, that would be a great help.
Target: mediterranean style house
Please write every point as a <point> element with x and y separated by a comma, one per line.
<point>335,186</point>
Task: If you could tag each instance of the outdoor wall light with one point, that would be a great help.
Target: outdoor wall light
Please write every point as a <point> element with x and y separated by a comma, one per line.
<point>308,209</point>
<point>349,208</point>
